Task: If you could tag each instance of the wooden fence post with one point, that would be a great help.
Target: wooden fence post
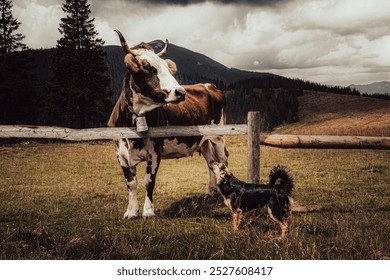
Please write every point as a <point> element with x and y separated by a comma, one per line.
<point>253,147</point>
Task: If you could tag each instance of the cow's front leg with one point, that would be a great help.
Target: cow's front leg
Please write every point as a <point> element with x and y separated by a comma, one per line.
<point>129,171</point>
<point>152,165</point>
<point>131,182</point>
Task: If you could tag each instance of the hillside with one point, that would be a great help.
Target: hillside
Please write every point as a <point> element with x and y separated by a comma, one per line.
<point>332,114</point>
<point>377,87</point>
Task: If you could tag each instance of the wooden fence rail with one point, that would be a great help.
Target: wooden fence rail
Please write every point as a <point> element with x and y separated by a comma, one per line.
<point>275,140</point>
<point>252,129</point>
<point>69,134</point>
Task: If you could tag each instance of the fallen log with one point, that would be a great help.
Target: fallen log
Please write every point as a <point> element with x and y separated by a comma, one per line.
<point>325,141</point>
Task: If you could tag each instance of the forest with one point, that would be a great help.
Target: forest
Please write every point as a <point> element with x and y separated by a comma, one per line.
<point>274,96</point>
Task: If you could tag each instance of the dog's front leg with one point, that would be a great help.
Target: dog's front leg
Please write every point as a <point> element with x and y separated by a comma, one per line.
<point>238,216</point>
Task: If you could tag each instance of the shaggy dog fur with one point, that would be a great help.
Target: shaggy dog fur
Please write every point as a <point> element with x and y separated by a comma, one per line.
<point>242,197</point>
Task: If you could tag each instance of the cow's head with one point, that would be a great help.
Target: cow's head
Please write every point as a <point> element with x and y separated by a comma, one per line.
<point>152,82</point>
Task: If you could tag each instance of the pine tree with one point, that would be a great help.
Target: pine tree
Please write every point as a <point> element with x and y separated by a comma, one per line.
<point>9,41</point>
<point>17,86</point>
<point>79,88</point>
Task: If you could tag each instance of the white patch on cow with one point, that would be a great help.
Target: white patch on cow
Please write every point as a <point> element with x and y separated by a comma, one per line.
<point>122,153</point>
<point>168,83</point>
<point>152,153</point>
<point>221,121</point>
<point>218,122</point>
<point>136,156</point>
<point>148,208</point>
<point>174,149</point>
<point>147,179</point>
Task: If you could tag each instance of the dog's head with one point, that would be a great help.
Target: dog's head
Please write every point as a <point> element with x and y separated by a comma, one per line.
<point>220,170</point>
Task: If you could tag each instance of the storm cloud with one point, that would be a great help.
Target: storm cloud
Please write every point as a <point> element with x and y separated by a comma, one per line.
<point>331,42</point>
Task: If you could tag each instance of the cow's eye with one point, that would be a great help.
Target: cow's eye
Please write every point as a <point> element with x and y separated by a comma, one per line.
<point>149,68</point>
<point>153,70</point>
<point>146,65</point>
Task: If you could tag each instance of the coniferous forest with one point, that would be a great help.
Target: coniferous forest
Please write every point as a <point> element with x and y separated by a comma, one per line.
<point>274,96</point>
<point>76,90</point>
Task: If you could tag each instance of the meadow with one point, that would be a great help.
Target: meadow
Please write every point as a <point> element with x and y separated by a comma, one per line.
<point>66,201</point>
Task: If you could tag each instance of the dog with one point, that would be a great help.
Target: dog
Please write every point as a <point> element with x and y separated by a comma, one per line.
<point>243,197</point>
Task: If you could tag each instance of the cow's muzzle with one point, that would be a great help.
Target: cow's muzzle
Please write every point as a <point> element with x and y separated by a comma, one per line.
<point>180,95</point>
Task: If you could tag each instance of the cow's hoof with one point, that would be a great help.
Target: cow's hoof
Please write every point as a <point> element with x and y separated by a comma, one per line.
<point>130,216</point>
<point>148,215</point>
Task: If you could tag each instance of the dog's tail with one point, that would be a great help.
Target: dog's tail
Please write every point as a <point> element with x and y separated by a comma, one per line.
<point>285,177</point>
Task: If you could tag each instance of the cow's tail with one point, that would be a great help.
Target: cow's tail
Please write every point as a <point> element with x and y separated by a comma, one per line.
<point>283,174</point>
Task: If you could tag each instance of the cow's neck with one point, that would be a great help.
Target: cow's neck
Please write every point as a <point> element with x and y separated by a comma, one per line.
<point>121,115</point>
<point>131,105</point>
<point>138,103</point>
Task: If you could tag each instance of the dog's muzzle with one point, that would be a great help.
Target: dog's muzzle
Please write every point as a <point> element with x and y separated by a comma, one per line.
<point>211,165</point>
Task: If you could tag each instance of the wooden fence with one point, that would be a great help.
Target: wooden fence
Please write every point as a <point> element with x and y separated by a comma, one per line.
<point>251,129</point>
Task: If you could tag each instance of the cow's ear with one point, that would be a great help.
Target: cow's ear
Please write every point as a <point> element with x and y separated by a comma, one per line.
<point>131,63</point>
<point>172,66</point>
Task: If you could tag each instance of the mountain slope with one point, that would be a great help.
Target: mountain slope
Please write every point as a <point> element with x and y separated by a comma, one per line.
<point>378,87</point>
<point>332,114</point>
<point>190,62</point>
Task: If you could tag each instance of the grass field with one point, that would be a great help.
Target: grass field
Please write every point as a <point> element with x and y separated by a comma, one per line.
<point>66,201</point>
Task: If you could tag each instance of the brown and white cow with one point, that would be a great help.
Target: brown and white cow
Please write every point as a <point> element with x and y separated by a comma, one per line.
<point>150,90</point>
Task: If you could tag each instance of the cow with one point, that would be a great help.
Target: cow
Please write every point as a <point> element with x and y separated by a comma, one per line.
<point>150,91</point>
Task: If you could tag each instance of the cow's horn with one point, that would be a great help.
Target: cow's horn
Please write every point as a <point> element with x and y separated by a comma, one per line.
<point>164,50</point>
<point>124,45</point>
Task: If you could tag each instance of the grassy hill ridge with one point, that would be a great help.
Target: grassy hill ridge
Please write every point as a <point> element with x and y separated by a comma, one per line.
<point>322,113</point>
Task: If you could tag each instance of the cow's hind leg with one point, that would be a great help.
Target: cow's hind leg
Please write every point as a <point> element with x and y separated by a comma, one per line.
<point>213,148</point>
<point>131,182</point>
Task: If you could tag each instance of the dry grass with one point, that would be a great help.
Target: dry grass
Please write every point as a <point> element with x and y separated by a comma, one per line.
<point>65,201</point>
<point>335,114</point>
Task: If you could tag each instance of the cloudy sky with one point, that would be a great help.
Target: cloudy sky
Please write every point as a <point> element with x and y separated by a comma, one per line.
<point>335,42</point>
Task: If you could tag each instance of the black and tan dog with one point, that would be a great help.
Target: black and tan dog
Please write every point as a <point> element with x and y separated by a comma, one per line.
<point>242,197</point>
